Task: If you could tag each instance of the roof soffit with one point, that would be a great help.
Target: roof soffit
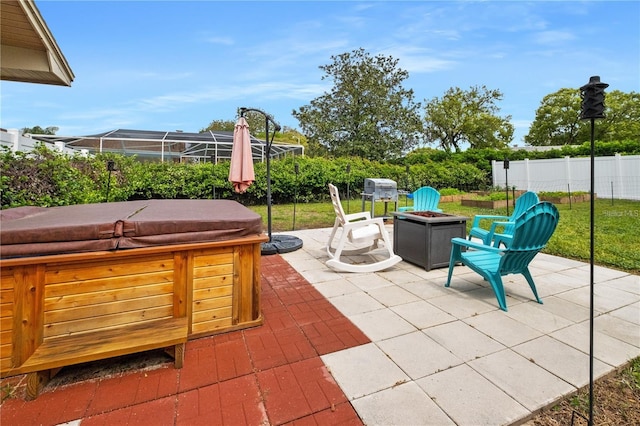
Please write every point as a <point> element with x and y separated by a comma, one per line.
<point>28,49</point>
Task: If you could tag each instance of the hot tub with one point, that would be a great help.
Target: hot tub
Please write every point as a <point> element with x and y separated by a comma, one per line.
<point>85,282</point>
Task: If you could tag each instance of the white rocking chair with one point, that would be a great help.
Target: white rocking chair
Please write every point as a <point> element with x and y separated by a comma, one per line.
<point>357,229</point>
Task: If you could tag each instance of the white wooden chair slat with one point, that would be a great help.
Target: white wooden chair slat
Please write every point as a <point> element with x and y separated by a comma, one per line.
<point>357,229</point>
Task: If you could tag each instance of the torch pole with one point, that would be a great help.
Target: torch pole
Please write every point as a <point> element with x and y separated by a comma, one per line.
<point>592,95</point>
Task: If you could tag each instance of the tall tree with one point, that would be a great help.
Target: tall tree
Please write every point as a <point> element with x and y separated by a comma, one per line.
<point>255,120</point>
<point>367,113</point>
<point>557,120</point>
<point>467,117</point>
<point>622,116</point>
<point>220,125</point>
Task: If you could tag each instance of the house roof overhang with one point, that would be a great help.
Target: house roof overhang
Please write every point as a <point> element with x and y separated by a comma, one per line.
<point>29,51</point>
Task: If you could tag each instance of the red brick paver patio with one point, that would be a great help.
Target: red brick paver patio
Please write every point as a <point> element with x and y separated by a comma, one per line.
<point>271,374</point>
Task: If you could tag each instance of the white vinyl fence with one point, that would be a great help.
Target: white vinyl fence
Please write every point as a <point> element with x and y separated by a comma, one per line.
<point>615,177</point>
<point>12,139</point>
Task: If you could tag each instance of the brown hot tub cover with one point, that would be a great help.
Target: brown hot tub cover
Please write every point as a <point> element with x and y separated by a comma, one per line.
<point>31,231</point>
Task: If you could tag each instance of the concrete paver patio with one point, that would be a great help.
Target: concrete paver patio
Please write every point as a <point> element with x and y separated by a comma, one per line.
<point>450,356</point>
<point>389,348</point>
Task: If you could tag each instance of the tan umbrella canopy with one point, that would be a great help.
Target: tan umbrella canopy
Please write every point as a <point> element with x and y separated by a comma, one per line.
<point>241,172</point>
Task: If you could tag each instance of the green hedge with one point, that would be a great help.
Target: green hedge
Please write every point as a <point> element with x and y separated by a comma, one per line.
<point>48,178</point>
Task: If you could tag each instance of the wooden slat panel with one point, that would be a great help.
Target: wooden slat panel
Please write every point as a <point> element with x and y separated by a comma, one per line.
<point>245,282</point>
<point>182,264</point>
<point>6,323</point>
<point>27,323</point>
<point>107,321</point>
<point>6,335</point>
<point>206,304</point>
<point>210,271</point>
<point>59,352</point>
<point>6,294</point>
<point>211,293</point>
<point>217,281</point>
<point>237,288</point>
<point>57,273</point>
<point>7,281</point>
<point>6,310</point>
<point>5,364</point>
<point>108,283</point>
<point>94,311</point>
<point>257,290</point>
<point>219,258</point>
<point>112,295</point>
<point>212,314</point>
<point>211,326</point>
<point>6,350</point>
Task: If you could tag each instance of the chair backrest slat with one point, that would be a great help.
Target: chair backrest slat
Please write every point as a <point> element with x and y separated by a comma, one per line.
<point>523,203</point>
<point>337,205</point>
<point>425,198</point>
<point>532,231</point>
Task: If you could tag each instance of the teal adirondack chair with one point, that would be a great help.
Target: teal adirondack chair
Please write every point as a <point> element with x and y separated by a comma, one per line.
<point>531,232</point>
<point>502,223</point>
<point>424,199</point>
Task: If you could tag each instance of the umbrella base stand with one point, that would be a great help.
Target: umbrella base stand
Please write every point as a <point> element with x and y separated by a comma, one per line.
<point>281,244</point>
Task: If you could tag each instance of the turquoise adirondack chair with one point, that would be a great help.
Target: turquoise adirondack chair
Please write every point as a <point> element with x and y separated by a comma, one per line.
<point>424,199</point>
<point>502,223</point>
<point>531,232</point>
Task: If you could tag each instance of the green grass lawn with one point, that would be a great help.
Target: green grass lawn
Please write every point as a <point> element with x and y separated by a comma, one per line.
<point>617,226</point>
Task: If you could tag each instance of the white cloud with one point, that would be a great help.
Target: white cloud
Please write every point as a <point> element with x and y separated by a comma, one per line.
<point>226,41</point>
<point>553,37</point>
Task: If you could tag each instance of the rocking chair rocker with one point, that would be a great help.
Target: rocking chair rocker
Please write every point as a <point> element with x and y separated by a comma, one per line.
<point>357,229</point>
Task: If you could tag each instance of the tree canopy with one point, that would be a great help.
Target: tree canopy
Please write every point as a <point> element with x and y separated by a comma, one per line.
<point>467,116</point>
<point>37,130</point>
<point>367,113</point>
<point>557,120</point>
<point>255,120</point>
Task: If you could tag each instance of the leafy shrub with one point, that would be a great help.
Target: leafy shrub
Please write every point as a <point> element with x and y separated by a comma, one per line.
<point>47,178</point>
<point>494,196</point>
<point>451,191</point>
<point>559,193</point>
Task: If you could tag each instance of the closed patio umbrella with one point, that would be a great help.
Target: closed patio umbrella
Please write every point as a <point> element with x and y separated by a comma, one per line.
<point>276,243</point>
<point>241,172</point>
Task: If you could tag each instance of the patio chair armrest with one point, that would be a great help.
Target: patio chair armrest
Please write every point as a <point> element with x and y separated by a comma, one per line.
<point>364,222</point>
<point>477,218</point>
<point>357,216</point>
<point>494,226</point>
<point>475,245</point>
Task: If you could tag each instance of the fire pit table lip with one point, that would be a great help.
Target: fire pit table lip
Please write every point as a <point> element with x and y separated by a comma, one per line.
<point>441,217</point>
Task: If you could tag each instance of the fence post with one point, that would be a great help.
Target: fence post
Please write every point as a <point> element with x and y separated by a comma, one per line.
<point>567,162</point>
<point>618,174</point>
<point>611,192</point>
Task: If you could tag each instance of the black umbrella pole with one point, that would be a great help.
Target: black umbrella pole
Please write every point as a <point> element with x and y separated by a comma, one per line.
<point>279,243</point>
<point>268,177</point>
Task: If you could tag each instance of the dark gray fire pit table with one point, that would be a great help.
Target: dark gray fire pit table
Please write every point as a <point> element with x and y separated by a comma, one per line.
<point>424,238</point>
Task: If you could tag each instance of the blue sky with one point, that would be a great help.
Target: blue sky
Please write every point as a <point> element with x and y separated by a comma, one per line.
<point>169,65</point>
